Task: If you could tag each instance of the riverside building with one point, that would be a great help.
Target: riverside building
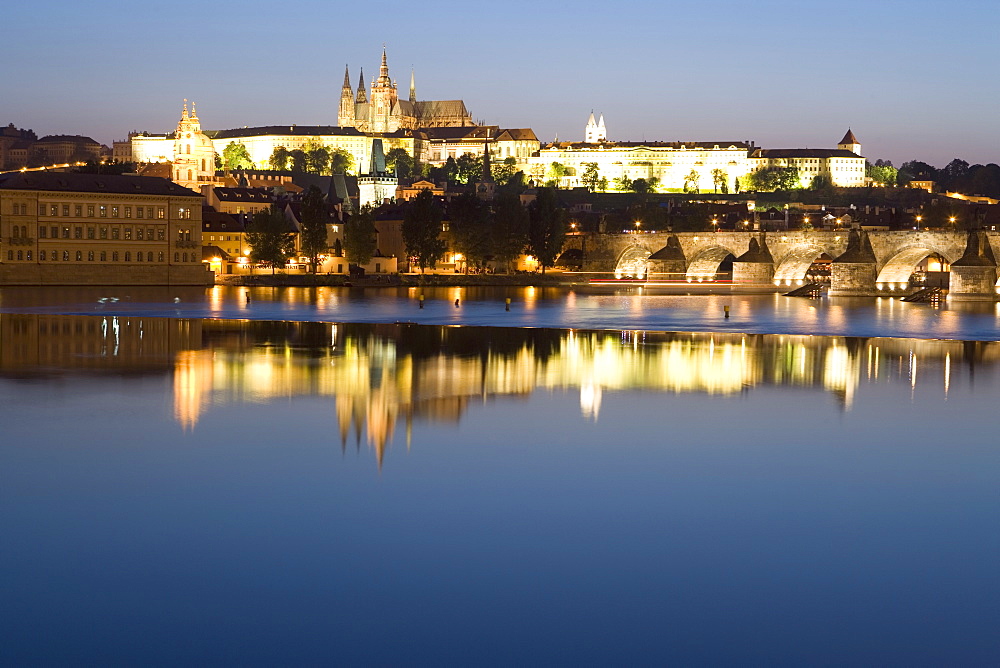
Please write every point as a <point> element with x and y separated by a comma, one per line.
<point>88,229</point>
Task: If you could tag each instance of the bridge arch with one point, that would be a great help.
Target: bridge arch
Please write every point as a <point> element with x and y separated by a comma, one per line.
<point>705,264</point>
<point>897,270</point>
<point>633,262</point>
<point>794,266</point>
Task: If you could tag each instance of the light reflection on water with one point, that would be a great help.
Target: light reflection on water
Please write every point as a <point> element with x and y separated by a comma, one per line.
<point>579,308</point>
<point>258,492</point>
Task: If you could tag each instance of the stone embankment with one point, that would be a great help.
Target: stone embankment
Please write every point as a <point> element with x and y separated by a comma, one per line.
<point>395,280</point>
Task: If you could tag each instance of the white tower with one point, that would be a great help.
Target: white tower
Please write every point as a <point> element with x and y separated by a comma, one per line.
<point>595,132</point>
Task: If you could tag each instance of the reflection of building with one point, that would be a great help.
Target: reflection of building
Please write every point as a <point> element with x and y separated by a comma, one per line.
<point>66,229</point>
<point>382,375</point>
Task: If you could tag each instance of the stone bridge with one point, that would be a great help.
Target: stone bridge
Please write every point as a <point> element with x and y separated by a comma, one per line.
<point>863,262</point>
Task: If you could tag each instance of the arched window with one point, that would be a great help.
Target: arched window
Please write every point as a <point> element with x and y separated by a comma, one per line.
<point>90,256</point>
<point>41,255</point>
<point>185,257</point>
<point>138,256</point>
<point>114,256</point>
<point>187,149</point>
<point>159,256</point>
<point>203,164</point>
<point>189,175</point>
<point>24,231</point>
<point>16,231</point>
<point>79,256</point>
<point>177,257</point>
<point>104,256</point>
<point>149,256</point>
<point>65,256</point>
<point>128,256</point>
<point>29,256</point>
<point>20,255</point>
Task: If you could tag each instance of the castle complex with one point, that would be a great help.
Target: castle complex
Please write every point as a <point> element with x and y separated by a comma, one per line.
<point>381,110</point>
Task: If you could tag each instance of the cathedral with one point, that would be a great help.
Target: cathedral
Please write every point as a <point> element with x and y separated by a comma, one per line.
<point>379,109</point>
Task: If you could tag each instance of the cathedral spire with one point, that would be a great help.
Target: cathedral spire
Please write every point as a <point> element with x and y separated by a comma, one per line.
<point>383,71</point>
<point>184,113</point>
<point>347,78</point>
<point>413,87</point>
<point>361,87</point>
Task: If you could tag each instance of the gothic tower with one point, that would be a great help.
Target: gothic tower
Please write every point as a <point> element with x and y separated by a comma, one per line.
<point>345,115</point>
<point>383,99</point>
<point>413,88</point>
<point>361,87</point>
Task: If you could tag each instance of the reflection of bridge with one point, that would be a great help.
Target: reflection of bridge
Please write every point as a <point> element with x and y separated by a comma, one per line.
<point>864,263</point>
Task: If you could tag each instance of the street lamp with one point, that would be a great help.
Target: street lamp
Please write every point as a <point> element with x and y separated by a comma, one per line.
<point>951,219</point>
<point>919,218</point>
<point>715,224</point>
<point>638,224</point>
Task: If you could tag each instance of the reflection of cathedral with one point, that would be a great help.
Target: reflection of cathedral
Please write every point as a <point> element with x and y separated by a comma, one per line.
<point>382,375</point>
<point>381,110</point>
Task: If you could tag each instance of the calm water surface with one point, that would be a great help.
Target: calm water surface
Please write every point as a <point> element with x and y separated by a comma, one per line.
<point>586,308</point>
<point>189,490</point>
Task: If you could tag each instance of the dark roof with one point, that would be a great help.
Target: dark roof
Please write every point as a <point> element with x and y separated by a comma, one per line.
<point>287,130</point>
<point>93,183</point>
<point>209,252</point>
<point>705,145</point>
<point>214,221</point>
<point>470,132</point>
<point>244,195</point>
<point>427,109</point>
<point>849,138</point>
<point>78,139</point>
<point>805,153</point>
<point>518,134</point>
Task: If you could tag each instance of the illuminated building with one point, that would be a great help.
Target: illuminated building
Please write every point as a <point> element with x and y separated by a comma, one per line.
<point>194,157</point>
<point>65,229</point>
<point>697,165</point>
<point>381,110</point>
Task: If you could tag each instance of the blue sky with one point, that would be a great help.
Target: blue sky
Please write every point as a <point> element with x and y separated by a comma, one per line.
<point>915,80</point>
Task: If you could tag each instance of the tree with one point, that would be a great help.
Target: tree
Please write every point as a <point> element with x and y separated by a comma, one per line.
<point>546,227</point>
<point>508,232</point>
<point>235,156</point>
<point>788,178</point>
<point>341,162</point>
<point>360,236</point>
<point>421,229</point>
<point>881,172</point>
<point>645,186</point>
<point>313,237</point>
<point>269,238</point>
<point>317,158</point>
<point>774,178</point>
<point>298,160</point>
<point>399,162</point>
<point>279,158</point>
<point>591,175</point>
<point>821,182</point>
<point>719,179</point>
<point>622,183</point>
<point>503,172</point>
<point>556,172</point>
<point>691,181</point>
<point>470,226</point>
<point>470,167</point>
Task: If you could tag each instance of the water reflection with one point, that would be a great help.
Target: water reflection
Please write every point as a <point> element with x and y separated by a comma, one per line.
<point>381,375</point>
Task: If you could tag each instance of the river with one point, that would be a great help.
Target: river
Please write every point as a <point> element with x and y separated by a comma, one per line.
<point>339,476</point>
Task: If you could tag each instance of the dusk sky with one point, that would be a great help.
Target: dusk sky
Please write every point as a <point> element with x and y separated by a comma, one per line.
<point>914,80</point>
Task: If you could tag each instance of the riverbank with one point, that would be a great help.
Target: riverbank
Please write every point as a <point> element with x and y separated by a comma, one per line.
<point>555,279</point>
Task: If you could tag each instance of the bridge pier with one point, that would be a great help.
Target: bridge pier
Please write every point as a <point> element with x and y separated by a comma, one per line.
<point>855,271</point>
<point>974,275</point>
<point>756,266</point>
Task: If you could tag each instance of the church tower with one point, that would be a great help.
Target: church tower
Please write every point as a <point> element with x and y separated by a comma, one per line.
<point>194,156</point>
<point>850,143</point>
<point>595,132</point>
<point>383,99</point>
<point>345,115</point>
<point>361,88</point>
<point>413,88</point>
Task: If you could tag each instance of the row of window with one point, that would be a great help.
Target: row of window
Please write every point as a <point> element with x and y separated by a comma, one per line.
<point>63,232</point>
<point>91,255</point>
<point>102,210</point>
